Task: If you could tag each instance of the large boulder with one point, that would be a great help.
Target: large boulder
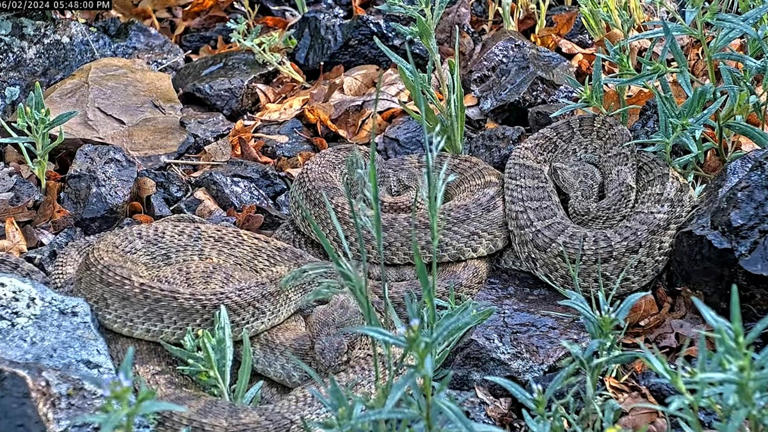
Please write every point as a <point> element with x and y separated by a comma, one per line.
<point>99,185</point>
<point>224,82</point>
<point>510,74</point>
<point>51,356</point>
<point>522,339</point>
<point>324,39</point>
<point>726,240</point>
<point>50,50</point>
<point>124,103</point>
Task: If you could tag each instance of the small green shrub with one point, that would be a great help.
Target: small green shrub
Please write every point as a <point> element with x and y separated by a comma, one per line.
<point>716,108</point>
<point>269,47</point>
<point>207,357</point>
<point>122,406</point>
<point>442,110</point>
<point>730,380</point>
<point>33,121</point>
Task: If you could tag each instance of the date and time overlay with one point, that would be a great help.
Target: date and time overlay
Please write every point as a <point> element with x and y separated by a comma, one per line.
<point>51,5</point>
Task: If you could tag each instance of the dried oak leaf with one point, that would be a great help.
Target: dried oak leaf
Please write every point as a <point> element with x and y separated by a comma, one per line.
<point>500,410</point>
<point>14,242</point>
<point>247,219</point>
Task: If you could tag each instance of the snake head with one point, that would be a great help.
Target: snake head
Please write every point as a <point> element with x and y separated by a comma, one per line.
<point>331,352</point>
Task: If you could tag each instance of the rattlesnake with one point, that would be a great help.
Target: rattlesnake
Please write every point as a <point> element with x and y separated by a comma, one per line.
<point>623,207</point>
<point>153,281</point>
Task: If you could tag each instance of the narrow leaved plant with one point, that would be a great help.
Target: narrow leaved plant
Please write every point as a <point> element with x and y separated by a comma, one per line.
<point>32,129</point>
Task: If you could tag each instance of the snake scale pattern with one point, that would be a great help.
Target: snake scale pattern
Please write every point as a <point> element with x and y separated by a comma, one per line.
<point>574,189</point>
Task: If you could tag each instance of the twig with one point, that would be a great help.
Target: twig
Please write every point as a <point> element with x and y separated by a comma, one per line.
<point>184,162</point>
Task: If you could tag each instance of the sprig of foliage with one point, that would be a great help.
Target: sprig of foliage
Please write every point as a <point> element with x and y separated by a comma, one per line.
<point>729,380</point>
<point>444,110</point>
<point>122,406</point>
<point>33,120</point>
<point>207,357</point>
<point>602,16</point>
<point>716,108</point>
<point>268,47</point>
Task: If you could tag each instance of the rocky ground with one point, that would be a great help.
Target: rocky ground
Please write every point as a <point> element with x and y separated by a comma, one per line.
<point>222,137</point>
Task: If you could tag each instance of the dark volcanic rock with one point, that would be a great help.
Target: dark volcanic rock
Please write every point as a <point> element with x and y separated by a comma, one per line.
<point>15,190</point>
<point>510,74</point>
<point>49,51</point>
<point>521,340</point>
<point>193,40</point>
<point>648,122</point>
<point>222,81</point>
<point>539,117</point>
<point>171,189</point>
<point>49,343</point>
<point>324,38</point>
<point>726,240</point>
<point>203,128</point>
<point>44,257</point>
<point>403,137</point>
<point>294,131</point>
<point>241,183</point>
<point>494,145</point>
<point>98,187</point>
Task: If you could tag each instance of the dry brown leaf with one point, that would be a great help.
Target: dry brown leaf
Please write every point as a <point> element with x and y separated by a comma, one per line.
<point>135,207</point>
<point>279,112</point>
<point>320,143</point>
<point>208,207</point>
<point>14,242</point>
<point>320,115</point>
<point>360,79</point>
<point>248,219</point>
<point>274,22</point>
<point>500,410</point>
<point>642,309</point>
<point>217,151</point>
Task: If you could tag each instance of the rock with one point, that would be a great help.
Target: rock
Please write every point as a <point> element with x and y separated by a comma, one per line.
<point>647,123</point>
<point>521,340</point>
<point>203,128</point>
<point>328,40</point>
<point>285,140</point>
<point>539,117</point>
<point>44,257</point>
<point>194,39</point>
<point>15,190</point>
<point>135,40</point>
<point>494,145</point>
<point>726,240</point>
<point>223,82</point>
<point>403,137</point>
<point>49,358</point>
<point>50,50</point>
<point>282,8</point>
<point>473,407</point>
<point>11,264</point>
<point>123,103</point>
<point>240,183</point>
<point>510,74</point>
<point>171,189</point>
<point>99,185</point>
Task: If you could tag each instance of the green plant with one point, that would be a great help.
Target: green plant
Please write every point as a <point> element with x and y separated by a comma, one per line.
<point>442,109</point>
<point>122,406</point>
<point>715,111</point>
<point>601,16</point>
<point>207,358</point>
<point>33,120</point>
<point>301,5</point>
<point>268,47</point>
<point>730,380</point>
